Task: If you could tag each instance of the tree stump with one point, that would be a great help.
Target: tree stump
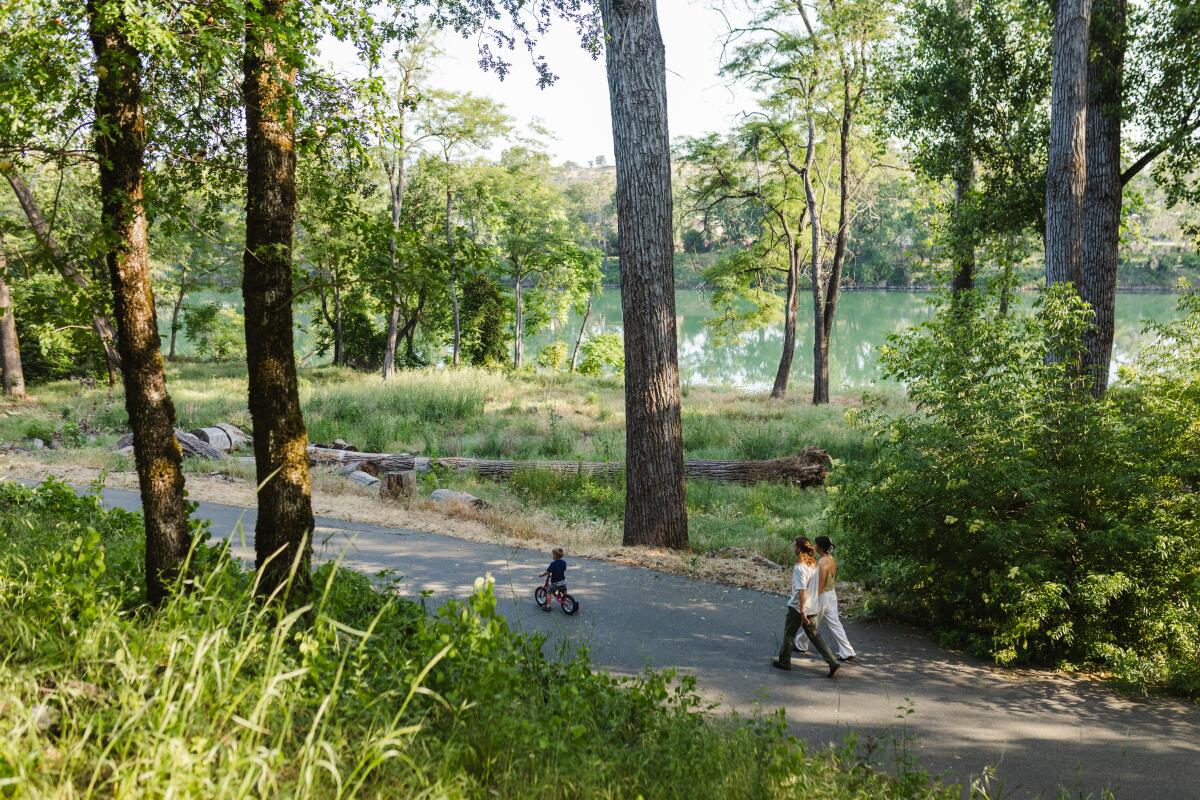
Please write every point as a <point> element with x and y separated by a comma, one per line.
<point>399,486</point>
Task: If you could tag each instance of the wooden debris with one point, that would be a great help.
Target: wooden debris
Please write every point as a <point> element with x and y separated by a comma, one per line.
<point>399,486</point>
<point>223,436</point>
<point>191,446</point>
<point>807,468</point>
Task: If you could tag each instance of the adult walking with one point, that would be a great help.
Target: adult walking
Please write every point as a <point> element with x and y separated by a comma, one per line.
<point>829,622</point>
<point>802,608</point>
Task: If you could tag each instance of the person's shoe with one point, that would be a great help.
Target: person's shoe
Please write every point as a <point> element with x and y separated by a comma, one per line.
<point>833,668</point>
<point>847,658</point>
<point>777,664</point>
<point>797,650</point>
<point>545,608</point>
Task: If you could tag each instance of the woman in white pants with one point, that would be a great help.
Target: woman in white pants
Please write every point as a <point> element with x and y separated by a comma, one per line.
<point>829,624</point>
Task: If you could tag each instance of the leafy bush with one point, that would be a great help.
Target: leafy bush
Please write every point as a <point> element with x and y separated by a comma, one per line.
<point>54,329</point>
<point>216,331</point>
<point>360,694</point>
<point>603,353</point>
<point>1019,515</point>
<point>553,356</point>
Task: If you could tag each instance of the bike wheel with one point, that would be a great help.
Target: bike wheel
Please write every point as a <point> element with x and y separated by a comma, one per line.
<point>539,594</point>
<point>568,603</point>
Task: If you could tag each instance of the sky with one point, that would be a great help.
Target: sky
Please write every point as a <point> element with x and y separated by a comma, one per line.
<point>575,110</point>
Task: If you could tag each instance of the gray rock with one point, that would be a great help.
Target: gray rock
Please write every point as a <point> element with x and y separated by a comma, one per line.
<point>365,478</point>
<point>36,444</point>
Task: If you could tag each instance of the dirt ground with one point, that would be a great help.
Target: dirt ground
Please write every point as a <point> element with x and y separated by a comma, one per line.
<point>336,498</point>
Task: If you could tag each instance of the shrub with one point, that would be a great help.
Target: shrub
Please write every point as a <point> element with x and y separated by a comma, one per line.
<point>1020,516</point>
<point>553,356</point>
<point>603,353</point>
<point>215,330</point>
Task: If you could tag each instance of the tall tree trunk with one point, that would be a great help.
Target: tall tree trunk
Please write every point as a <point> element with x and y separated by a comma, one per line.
<point>176,309</point>
<point>1102,189</point>
<point>339,354</point>
<point>579,339</point>
<point>10,347</point>
<point>453,270</point>
<point>393,338</point>
<point>820,276</point>
<point>655,511</point>
<point>120,142</point>
<point>396,198</point>
<point>964,240</point>
<point>63,264</point>
<point>285,519</point>
<point>1066,168</point>
<point>791,306</point>
<point>518,327</point>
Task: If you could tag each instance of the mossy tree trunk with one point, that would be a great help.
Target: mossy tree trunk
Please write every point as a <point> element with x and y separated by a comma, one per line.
<point>120,143</point>
<point>283,533</point>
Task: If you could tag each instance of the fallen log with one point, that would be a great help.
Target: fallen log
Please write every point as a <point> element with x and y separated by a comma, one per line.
<point>189,444</point>
<point>807,468</point>
<point>223,436</point>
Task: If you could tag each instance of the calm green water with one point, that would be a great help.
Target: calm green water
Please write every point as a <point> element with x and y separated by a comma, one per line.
<point>864,320</point>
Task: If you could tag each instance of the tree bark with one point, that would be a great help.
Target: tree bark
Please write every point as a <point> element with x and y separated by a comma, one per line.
<point>964,245</point>
<point>10,346</point>
<point>791,307</point>
<point>453,269</point>
<point>1066,169</point>
<point>579,339</point>
<point>285,520</point>
<point>655,511</point>
<point>1102,187</point>
<point>518,327</point>
<point>120,142</point>
<point>65,268</point>
<point>175,311</point>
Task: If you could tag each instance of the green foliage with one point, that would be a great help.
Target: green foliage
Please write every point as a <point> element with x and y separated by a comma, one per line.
<point>486,331</point>
<point>361,694</point>
<point>553,356</point>
<point>216,331</point>
<point>1022,517</point>
<point>602,354</point>
<point>54,330</point>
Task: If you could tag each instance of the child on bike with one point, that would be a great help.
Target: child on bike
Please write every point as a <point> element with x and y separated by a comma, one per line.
<point>558,575</point>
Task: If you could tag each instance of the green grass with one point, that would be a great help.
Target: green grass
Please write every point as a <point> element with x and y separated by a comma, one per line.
<point>360,693</point>
<point>524,416</point>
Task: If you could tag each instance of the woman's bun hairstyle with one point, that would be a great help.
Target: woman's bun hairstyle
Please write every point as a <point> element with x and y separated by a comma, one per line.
<point>825,543</point>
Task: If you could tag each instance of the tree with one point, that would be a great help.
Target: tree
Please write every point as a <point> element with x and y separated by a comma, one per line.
<point>460,123</point>
<point>534,236</point>
<point>1066,168</point>
<point>655,511</point>
<point>120,141</point>
<point>282,541</point>
<point>391,104</point>
<point>10,348</point>
<point>755,166</point>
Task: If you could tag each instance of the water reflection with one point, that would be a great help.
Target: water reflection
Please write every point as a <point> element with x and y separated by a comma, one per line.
<point>864,320</point>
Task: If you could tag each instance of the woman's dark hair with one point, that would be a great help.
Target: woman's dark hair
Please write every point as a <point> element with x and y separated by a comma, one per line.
<point>825,543</point>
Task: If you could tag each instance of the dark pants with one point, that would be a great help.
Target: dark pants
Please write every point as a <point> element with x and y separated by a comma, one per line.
<point>796,621</point>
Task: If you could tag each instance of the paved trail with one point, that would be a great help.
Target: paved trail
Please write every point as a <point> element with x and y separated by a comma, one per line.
<point>1041,732</point>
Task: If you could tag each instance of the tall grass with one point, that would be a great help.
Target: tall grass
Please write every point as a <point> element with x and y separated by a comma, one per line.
<point>360,693</point>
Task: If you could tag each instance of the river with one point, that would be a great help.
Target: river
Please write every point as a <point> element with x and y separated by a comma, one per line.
<point>863,322</point>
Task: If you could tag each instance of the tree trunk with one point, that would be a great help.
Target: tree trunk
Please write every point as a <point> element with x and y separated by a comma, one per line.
<point>393,338</point>
<point>791,306</point>
<point>579,339</point>
<point>964,243</point>
<point>120,142</point>
<point>453,269</point>
<point>1066,168</point>
<point>64,266</point>
<point>10,347</point>
<point>285,520</point>
<point>1102,188</point>
<point>655,511</point>
<point>339,356</point>
<point>175,311</point>
<point>518,328</point>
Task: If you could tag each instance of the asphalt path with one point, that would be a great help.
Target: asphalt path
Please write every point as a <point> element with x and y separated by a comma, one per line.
<point>905,696</point>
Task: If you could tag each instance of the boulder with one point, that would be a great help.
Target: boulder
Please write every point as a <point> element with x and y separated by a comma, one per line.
<point>451,496</point>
